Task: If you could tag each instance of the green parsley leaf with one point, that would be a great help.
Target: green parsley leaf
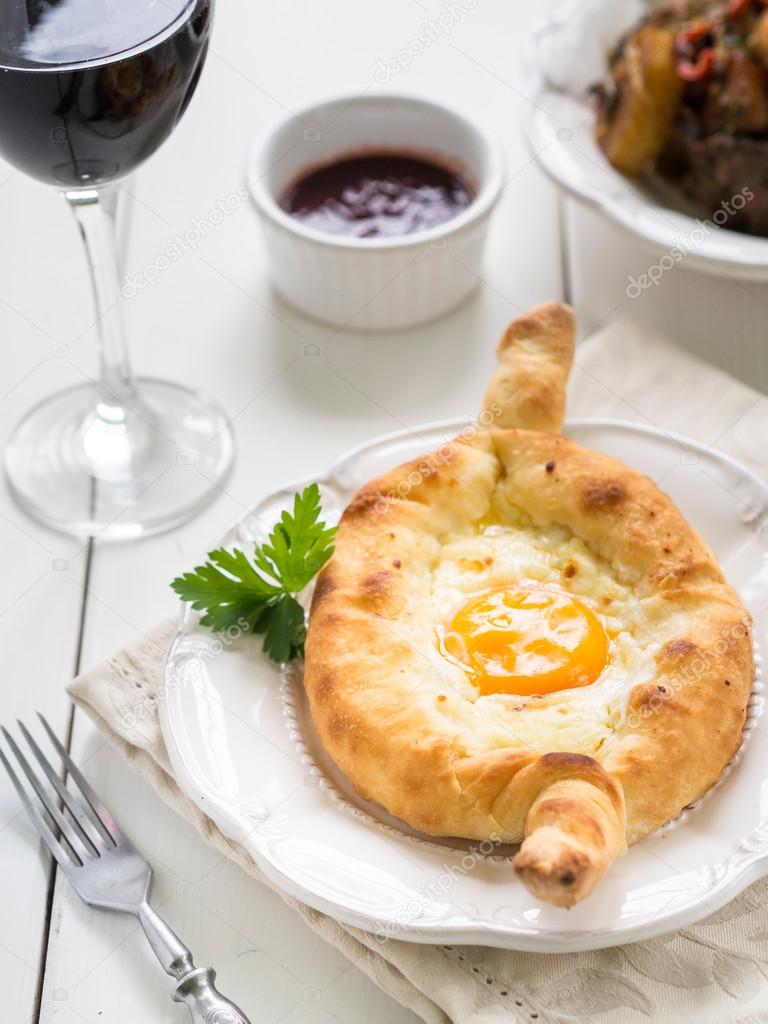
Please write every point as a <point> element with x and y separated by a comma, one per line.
<point>286,630</point>
<point>258,595</point>
<point>299,546</point>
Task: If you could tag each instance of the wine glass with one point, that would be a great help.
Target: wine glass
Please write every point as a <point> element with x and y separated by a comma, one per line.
<point>88,90</point>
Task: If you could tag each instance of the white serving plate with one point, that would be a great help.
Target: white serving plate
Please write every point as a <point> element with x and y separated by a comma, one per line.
<point>567,54</point>
<point>242,748</point>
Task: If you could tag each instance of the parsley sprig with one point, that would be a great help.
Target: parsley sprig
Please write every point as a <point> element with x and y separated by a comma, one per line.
<point>258,594</point>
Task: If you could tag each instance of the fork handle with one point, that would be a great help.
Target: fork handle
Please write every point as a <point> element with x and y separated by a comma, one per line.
<point>194,985</point>
<point>206,1004</point>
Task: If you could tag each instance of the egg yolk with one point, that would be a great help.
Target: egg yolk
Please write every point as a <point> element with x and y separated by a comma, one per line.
<point>528,640</point>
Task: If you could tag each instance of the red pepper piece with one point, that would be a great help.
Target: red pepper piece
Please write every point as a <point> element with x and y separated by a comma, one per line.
<point>699,69</point>
<point>688,37</point>
<point>737,7</point>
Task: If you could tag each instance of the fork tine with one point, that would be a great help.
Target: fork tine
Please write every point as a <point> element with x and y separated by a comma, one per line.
<point>40,824</point>
<point>104,820</point>
<point>82,822</point>
<point>72,839</point>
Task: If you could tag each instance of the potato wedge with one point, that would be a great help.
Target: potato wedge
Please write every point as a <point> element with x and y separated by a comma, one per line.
<point>759,38</point>
<point>633,131</point>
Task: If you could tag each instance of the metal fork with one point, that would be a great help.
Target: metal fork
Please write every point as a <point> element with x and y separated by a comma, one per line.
<point>107,871</point>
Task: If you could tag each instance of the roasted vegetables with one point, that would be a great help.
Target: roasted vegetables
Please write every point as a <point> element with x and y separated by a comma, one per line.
<point>634,128</point>
<point>686,98</point>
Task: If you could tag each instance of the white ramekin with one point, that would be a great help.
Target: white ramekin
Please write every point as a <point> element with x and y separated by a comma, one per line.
<point>374,283</point>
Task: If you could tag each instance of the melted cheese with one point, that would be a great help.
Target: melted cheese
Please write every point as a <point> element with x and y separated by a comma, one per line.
<point>493,556</point>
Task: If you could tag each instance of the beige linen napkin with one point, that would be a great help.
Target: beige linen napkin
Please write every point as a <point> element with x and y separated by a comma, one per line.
<point>714,971</point>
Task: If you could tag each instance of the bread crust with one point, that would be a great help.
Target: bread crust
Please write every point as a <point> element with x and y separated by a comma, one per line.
<point>434,758</point>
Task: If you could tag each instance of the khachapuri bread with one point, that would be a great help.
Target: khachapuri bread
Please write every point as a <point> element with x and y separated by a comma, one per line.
<point>522,640</point>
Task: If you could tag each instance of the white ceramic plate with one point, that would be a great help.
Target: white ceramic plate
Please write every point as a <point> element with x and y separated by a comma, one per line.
<point>242,748</point>
<point>566,56</point>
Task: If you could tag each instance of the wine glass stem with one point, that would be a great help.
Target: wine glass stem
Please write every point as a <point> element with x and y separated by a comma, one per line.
<point>96,221</point>
<point>117,436</point>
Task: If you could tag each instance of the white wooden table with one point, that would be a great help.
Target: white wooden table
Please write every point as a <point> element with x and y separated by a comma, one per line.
<point>300,394</point>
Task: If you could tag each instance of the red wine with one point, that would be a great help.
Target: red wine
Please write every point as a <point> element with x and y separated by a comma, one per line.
<point>90,88</point>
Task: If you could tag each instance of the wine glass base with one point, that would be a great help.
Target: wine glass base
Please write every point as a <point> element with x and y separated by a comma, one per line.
<point>183,456</point>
